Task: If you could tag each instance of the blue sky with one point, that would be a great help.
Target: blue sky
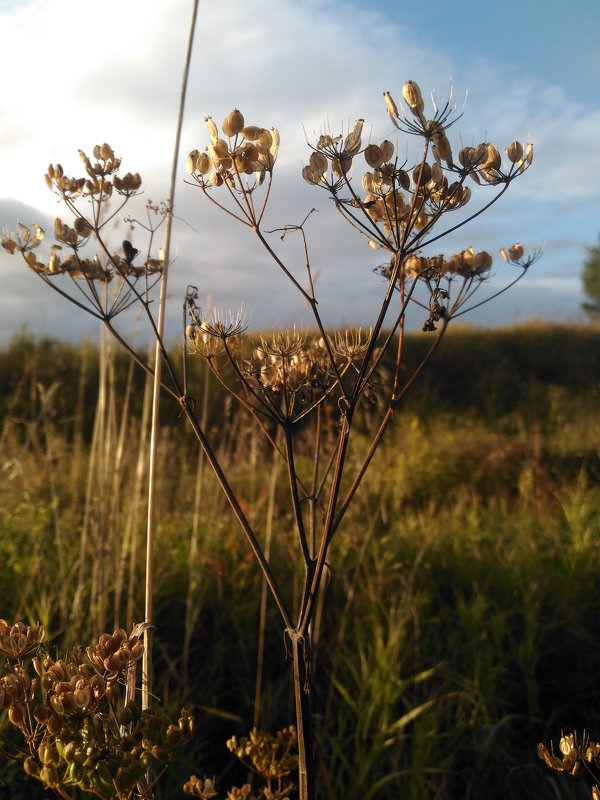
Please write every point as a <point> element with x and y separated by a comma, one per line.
<point>76,74</point>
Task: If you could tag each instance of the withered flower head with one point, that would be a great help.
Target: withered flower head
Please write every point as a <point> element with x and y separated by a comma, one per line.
<point>18,640</point>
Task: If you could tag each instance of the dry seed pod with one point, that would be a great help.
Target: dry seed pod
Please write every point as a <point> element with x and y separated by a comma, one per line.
<point>106,152</point>
<point>233,123</point>
<point>421,174</point>
<point>516,251</point>
<point>441,148</point>
<point>368,182</point>
<point>387,149</point>
<point>212,129</point>
<point>310,175</point>
<point>264,142</point>
<point>318,162</point>
<point>391,106</point>
<point>341,167</point>
<point>353,140</point>
<point>373,155</point>
<point>437,176</point>
<point>252,132</point>
<point>481,262</point>
<point>275,145</point>
<point>191,161</point>
<point>215,179</point>
<point>529,152</point>
<point>412,97</point>
<point>514,152</point>
<point>492,160</point>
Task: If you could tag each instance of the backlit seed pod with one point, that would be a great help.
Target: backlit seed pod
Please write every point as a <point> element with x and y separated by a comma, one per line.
<point>215,179</point>
<point>264,142</point>
<point>368,182</point>
<point>250,151</point>
<point>82,697</point>
<point>191,161</point>
<point>341,166</point>
<point>212,129</point>
<point>391,106</point>
<point>57,705</point>
<point>481,262</point>
<point>353,140</point>
<point>310,175</point>
<point>203,164</point>
<point>233,123</point>
<point>387,150</point>
<point>529,152</point>
<point>318,162</point>
<point>514,152</point>
<point>373,155</point>
<point>275,146</point>
<point>106,152</point>
<point>516,251</point>
<point>252,132</point>
<point>412,97</point>
<point>493,159</point>
<point>219,149</point>
<point>421,174</point>
<point>437,175</point>
<point>441,148</point>
<point>242,163</point>
<point>16,714</point>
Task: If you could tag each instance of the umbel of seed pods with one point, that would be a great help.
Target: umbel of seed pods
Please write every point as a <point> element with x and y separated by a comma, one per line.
<point>390,191</point>
<point>246,150</point>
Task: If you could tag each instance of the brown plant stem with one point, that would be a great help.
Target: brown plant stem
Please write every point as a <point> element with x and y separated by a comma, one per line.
<point>151,526</point>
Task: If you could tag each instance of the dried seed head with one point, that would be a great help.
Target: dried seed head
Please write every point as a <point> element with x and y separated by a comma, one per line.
<point>233,123</point>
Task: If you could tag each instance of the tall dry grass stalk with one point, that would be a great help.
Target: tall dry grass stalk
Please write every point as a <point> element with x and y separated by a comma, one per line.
<point>158,359</point>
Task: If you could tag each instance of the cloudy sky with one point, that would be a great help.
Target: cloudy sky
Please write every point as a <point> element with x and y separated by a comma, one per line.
<point>76,73</point>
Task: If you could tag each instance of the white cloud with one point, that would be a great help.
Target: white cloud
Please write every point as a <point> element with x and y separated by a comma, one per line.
<point>91,72</point>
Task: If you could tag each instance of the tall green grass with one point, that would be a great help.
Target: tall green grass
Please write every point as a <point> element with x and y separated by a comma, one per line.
<point>461,621</point>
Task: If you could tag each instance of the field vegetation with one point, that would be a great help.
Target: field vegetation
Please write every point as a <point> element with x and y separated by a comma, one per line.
<point>462,608</point>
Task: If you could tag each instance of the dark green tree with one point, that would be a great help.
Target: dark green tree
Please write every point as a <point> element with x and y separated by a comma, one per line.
<point>591,281</point>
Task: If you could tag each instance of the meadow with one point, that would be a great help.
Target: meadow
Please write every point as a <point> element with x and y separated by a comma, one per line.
<point>461,620</point>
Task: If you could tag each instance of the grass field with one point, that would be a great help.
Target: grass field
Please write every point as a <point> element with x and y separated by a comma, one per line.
<point>462,620</point>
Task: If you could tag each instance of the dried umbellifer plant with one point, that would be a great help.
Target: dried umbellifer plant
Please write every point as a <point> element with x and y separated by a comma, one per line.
<point>81,726</point>
<point>289,382</point>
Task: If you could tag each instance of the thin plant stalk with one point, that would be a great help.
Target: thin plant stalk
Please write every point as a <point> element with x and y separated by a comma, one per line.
<point>262,623</point>
<point>151,524</point>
